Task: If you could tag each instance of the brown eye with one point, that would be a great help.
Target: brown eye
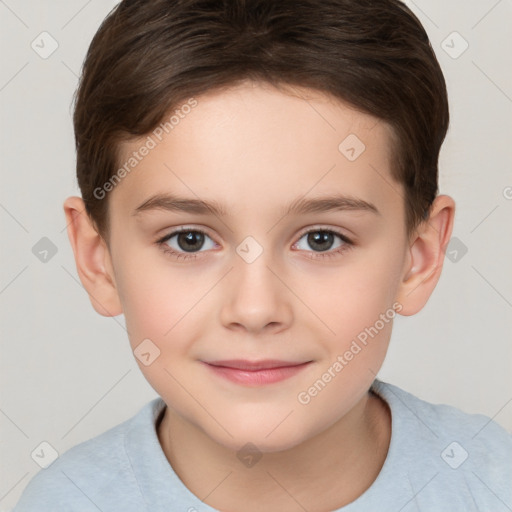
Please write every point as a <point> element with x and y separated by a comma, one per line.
<point>320,242</point>
<point>190,241</point>
<point>185,243</point>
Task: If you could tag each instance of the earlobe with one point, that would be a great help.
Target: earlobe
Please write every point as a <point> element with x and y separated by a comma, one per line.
<point>92,258</point>
<point>426,256</point>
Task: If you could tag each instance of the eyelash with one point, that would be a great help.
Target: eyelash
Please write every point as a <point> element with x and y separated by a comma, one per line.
<point>347,243</point>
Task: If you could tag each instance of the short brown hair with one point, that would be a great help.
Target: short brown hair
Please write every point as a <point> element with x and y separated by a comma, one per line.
<point>148,56</point>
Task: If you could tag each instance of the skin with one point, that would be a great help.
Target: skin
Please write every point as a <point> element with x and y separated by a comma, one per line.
<point>255,149</point>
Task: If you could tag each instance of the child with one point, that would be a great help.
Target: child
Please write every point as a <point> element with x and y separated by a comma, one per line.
<point>260,188</point>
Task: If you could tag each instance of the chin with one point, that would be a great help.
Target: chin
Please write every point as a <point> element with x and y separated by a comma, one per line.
<point>253,437</point>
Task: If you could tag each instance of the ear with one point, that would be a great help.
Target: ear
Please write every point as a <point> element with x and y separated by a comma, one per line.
<point>425,257</point>
<point>93,260</point>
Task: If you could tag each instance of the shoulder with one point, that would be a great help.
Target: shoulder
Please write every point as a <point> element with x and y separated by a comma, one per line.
<point>83,478</point>
<point>445,420</point>
<point>467,457</point>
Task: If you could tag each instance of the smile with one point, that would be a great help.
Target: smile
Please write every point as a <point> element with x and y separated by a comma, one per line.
<point>258,373</point>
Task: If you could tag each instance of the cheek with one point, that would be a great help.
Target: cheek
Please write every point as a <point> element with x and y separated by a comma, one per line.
<point>355,296</point>
<point>359,309</point>
<point>159,329</point>
<point>153,299</point>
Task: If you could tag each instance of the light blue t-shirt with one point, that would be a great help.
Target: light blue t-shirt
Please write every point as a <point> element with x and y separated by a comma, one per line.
<point>439,459</point>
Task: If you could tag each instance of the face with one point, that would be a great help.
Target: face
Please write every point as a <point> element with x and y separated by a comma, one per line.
<point>255,279</point>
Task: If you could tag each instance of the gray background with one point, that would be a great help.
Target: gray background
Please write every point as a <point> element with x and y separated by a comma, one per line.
<point>67,374</point>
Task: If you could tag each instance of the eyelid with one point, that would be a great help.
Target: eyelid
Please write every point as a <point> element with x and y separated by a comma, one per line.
<point>170,232</point>
<point>304,231</point>
<point>320,227</point>
<point>348,244</point>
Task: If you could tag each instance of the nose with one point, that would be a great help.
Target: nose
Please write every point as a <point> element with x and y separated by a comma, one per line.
<point>255,298</point>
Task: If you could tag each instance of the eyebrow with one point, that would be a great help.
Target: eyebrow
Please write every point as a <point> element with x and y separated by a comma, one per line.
<point>170,202</point>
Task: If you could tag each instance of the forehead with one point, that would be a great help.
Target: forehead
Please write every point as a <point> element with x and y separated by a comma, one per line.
<point>253,144</point>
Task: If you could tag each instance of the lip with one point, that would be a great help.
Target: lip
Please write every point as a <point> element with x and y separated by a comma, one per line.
<point>256,373</point>
<point>264,364</point>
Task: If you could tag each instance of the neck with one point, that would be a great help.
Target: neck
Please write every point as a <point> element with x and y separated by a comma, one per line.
<point>339,464</point>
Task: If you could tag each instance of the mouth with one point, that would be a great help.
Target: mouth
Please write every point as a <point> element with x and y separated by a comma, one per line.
<point>256,373</point>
